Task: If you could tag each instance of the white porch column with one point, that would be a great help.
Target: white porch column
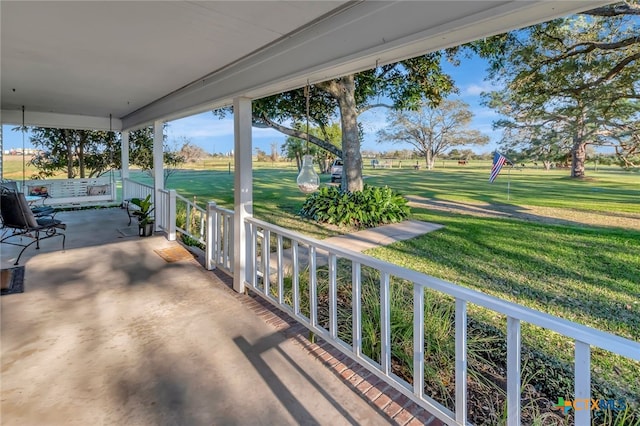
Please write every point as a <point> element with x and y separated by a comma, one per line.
<point>243,187</point>
<point>1,154</point>
<point>124,154</point>
<point>124,161</point>
<point>158,164</point>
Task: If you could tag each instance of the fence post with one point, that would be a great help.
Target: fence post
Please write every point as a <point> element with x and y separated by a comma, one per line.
<point>171,226</point>
<point>212,236</point>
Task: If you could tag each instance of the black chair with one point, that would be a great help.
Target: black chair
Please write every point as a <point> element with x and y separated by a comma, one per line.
<point>39,211</point>
<point>19,222</point>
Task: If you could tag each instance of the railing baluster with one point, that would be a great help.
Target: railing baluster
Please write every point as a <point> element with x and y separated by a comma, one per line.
<point>187,225</point>
<point>333,297</point>
<point>253,254</point>
<point>266,261</point>
<point>228,242</point>
<point>461,361</point>
<point>313,290</point>
<point>295,277</point>
<point>356,302</point>
<point>280,272</point>
<point>513,372</point>
<point>385,324</point>
<point>418,340</point>
<point>217,237</point>
<point>582,384</point>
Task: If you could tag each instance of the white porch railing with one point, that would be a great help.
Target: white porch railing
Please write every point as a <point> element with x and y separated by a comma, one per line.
<point>268,259</point>
<point>219,232</point>
<point>133,189</point>
<point>195,219</point>
<point>212,228</point>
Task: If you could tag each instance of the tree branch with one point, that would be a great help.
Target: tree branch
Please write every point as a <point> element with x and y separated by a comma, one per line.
<point>589,46</point>
<point>264,122</point>
<point>612,73</point>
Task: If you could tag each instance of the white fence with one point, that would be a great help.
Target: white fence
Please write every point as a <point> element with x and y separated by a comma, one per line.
<point>278,258</point>
<point>212,228</point>
<point>133,189</point>
<point>220,233</point>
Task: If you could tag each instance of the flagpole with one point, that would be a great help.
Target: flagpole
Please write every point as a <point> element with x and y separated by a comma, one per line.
<point>509,184</point>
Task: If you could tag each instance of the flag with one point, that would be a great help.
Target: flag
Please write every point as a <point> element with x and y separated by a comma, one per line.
<point>499,160</point>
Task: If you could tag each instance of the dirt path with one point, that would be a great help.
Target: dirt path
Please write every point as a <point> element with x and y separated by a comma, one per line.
<point>531,213</point>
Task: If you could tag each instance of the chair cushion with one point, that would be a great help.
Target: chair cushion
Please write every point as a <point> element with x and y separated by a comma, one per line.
<point>98,189</point>
<point>16,212</point>
<point>38,190</point>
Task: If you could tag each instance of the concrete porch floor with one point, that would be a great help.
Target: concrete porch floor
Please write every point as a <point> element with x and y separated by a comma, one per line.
<point>108,332</point>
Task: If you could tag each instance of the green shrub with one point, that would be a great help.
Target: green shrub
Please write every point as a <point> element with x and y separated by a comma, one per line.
<point>368,208</point>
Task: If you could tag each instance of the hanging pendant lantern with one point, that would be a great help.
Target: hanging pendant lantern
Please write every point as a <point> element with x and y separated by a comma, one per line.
<point>308,180</point>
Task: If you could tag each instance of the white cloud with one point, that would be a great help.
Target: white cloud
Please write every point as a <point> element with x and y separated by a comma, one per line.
<point>485,113</point>
<point>475,89</point>
<point>204,125</point>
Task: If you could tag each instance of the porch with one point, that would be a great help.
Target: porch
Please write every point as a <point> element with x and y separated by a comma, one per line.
<point>108,332</point>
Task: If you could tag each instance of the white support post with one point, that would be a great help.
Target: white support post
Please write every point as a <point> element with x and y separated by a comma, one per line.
<point>1,154</point>
<point>171,226</point>
<point>124,170</point>
<point>124,154</point>
<point>243,187</point>
<point>158,164</point>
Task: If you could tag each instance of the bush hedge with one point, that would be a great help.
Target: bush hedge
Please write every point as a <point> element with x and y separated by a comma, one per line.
<point>373,206</point>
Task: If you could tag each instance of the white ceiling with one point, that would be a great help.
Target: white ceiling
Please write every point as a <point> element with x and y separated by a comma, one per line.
<point>75,63</point>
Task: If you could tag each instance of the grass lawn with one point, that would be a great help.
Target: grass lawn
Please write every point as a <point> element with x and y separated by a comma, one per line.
<point>587,274</point>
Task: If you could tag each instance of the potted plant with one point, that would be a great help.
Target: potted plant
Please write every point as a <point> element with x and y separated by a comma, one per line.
<point>145,220</point>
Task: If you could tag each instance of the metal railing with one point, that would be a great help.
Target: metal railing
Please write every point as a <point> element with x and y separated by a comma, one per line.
<point>273,268</point>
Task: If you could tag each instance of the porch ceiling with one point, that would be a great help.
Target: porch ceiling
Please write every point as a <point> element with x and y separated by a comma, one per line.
<point>75,63</point>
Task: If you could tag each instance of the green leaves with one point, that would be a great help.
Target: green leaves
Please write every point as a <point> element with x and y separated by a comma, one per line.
<point>368,208</point>
<point>568,83</point>
<point>146,208</point>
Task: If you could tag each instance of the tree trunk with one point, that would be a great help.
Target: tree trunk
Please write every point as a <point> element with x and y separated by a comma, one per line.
<point>579,148</point>
<point>430,159</point>
<point>83,140</point>
<point>69,144</point>
<point>343,90</point>
<point>352,169</point>
<point>299,161</point>
<point>547,165</point>
<point>578,158</point>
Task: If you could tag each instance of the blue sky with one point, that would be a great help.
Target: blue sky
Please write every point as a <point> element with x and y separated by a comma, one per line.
<point>215,135</point>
